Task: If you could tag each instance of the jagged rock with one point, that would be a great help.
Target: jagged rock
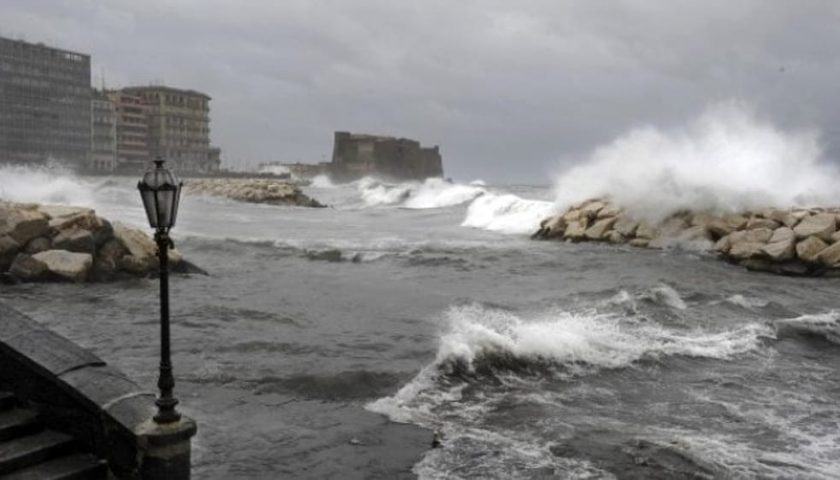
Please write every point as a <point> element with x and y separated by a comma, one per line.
<point>271,191</point>
<point>780,250</point>
<point>757,222</point>
<point>615,237</point>
<point>108,258</point>
<point>37,244</point>
<point>591,209</point>
<point>598,230</point>
<point>737,222</point>
<point>835,237</point>
<point>639,242</point>
<point>702,219</point>
<point>142,250</point>
<point>809,248</point>
<point>74,240</point>
<point>723,244</point>
<point>68,265</point>
<point>759,235</point>
<point>571,216</point>
<point>576,230</point>
<point>610,210</point>
<point>821,225</point>
<point>27,268</point>
<point>22,225</point>
<point>695,233</point>
<point>744,249</point>
<point>782,234</point>
<point>554,227</point>
<point>830,256</point>
<point>626,226</point>
<point>783,217</point>
<point>645,230</point>
<point>719,228</point>
<point>8,250</point>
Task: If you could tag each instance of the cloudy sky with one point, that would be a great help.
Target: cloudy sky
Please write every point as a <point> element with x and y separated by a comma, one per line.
<point>512,91</point>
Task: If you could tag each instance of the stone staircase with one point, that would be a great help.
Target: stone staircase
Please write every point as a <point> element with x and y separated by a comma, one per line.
<point>29,451</point>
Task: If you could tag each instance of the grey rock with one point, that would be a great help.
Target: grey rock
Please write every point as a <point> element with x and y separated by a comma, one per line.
<point>821,225</point>
<point>38,244</point>
<point>67,265</point>
<point>74,240</point>
<point>28,268</point>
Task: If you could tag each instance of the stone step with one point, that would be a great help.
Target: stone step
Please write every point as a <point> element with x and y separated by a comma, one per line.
<point>7,400</point>
<point>32,449</point>
<point>77,466</point>
<point>18,422</point>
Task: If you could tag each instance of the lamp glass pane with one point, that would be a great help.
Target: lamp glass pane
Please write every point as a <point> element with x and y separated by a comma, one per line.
<point>176,203</point>
<point>148,197</point>
<point>166,201</point>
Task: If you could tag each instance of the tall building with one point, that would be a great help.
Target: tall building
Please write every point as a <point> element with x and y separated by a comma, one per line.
<point>132,131</point>
<point>45,104</point>
<point>179,127</point>
<point>104,132</point>
<point>358,155</point>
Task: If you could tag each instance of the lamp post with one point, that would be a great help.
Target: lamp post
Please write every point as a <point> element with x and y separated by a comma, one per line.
<point>160,191</point>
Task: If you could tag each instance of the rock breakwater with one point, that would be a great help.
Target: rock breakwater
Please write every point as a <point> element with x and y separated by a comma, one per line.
<point>253,190</point>
<point>60,243</point>
<point>797,241</point>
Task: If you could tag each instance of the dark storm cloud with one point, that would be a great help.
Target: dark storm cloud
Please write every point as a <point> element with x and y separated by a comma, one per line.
<point>510,90</point>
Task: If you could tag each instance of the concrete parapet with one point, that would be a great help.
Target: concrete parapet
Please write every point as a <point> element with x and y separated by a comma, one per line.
<point>79,394</point>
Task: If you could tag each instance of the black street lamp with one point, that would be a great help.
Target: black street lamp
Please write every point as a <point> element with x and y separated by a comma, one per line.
<point>161,191</point>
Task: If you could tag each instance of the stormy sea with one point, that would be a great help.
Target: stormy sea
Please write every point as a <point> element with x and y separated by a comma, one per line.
<point>340,342</point>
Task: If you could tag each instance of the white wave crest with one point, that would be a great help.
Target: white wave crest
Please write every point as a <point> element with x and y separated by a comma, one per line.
<point>582,341</point>
<point>431,193</point>
<point>50,185</point>
<point>825,324</point>
<point>322,181</point>
<point>725,160</point>
<point>507,213</point>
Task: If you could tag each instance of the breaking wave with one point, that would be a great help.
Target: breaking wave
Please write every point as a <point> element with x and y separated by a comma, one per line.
<point>322,181</point>
<point>825,325</point>
<point>725,160</point>
<point>506,213</point>
<point>431,193</point>
<point>484,341</point>
<point>50,184</point>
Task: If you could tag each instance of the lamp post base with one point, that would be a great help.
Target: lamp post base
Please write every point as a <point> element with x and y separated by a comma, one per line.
<point>167,454</point>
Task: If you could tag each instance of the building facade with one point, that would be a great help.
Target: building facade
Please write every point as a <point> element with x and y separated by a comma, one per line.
<point>45,104</point>
<point>179,127</point>
<point>104,132</point>
<point>132,131</point>
<point>359,155</point>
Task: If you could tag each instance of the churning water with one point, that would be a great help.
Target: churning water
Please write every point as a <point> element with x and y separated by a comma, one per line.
<point>331,343</point>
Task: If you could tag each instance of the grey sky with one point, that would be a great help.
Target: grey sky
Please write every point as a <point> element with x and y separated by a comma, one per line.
<point>511,91</point>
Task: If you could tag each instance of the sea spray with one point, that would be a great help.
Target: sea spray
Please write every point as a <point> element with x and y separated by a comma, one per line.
<point>431,193</point>
<point>47,185</point>
<point>726,160</point>
<point>507,213</point>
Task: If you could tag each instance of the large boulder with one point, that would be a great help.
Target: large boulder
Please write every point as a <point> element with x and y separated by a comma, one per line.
<point>758,222</point>
<point>9,248</point>
<point>646,231</point>
<point>22,224</point>
<point>67,265</point>
<point>576,230</point>
<point>821,225</point>
<point>808,249</point>
<point>744,250</point>
<point>74,239</point>
<point>37,244</point>
<point>142,250</point>
<point>108,259</point>
<point>599,229</point>
<point>626,226</point>
<point>830,256</point>
<point>719,228</point>
<point>28,269</point>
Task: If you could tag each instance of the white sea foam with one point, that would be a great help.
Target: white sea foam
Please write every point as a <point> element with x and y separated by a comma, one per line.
<point>507,213</point>
<point>431,193</point>
<point>746,302</point>
<point>826,324</point>
<point>51,185</point>
<point>725,160</point>
<point>587,340</point>
<point>322,181</point>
